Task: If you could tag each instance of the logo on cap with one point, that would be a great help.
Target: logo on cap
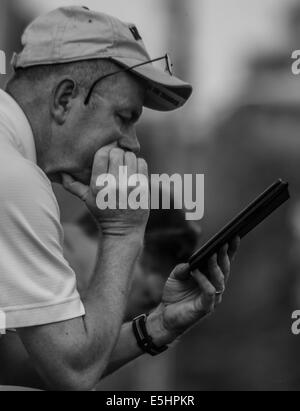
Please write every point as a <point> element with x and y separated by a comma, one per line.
<point>135,33</point>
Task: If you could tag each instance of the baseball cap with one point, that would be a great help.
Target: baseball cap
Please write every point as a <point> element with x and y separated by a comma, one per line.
<point>70,34</point>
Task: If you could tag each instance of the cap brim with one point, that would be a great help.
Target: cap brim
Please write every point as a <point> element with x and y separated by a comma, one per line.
<point>166,92</point>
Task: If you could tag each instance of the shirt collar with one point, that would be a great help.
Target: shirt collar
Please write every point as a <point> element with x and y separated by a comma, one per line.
<point>18,125</point>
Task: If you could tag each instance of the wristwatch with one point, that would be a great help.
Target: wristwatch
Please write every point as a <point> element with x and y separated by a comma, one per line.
<point>144,340</point>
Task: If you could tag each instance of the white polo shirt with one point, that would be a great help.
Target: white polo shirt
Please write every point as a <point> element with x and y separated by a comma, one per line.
<point>37,285</point>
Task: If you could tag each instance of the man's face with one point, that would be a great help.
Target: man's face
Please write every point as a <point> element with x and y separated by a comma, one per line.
<point>109,119</point>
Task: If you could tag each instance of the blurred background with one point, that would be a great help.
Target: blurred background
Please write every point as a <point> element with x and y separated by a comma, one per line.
<point>241,129</point>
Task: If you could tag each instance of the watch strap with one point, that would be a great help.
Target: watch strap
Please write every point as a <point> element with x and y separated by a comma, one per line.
<point>144,340</point>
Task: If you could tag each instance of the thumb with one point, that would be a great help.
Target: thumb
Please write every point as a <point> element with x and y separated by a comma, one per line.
<point>182,272</point>
<point>74,187</point>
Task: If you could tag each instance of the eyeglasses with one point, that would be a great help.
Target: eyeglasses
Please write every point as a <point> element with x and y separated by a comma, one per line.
<point>168,68</point>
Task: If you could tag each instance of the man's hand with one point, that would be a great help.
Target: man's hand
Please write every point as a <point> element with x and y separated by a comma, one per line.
<point>108,160</point>
<point>190,297</point>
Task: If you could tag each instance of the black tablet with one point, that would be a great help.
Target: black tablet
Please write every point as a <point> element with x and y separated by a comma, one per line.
<point>261,208</point>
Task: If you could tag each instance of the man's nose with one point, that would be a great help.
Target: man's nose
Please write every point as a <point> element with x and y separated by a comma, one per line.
<point>130,142</point>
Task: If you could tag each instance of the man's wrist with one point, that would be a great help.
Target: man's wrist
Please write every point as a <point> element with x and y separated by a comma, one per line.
<point>129,237</point>
<point>157,330</point>
<point>133,234</point>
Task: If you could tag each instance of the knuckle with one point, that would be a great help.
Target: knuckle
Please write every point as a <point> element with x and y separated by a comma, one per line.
<point>227,269</point>
<point>213,264</point>
<point>130,156</point>
<point>221,277</point>
<point>144,168</point>
<point>219,270</point>
<point>214,274</point>
<point>143,162</point>
<point>211,294</point>
<point>100,155</point>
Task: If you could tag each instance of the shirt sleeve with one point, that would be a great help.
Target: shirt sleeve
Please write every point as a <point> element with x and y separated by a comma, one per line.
<point>37,285</point>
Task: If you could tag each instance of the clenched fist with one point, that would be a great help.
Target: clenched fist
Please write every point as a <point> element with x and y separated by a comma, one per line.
<point>116,220</point>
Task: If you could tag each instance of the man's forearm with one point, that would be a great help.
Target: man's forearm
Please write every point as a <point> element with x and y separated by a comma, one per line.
<point>78,350</point>
<point>107,296</point>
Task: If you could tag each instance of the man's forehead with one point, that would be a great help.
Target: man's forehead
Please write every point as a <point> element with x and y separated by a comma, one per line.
<point>128,91</point>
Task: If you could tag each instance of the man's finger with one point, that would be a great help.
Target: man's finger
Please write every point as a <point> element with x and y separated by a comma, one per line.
<point>208,291</point>
<point>215,274</point>
<point>74,187</point>
<point>224,262</point>
<point>131,162</point>
<point>182,272</point>
<point>101,163</point>
<point>233,248</point>
<point>116,160</point>
<point>219,300</point>
<point>143,167</point>
<point>101,160</point>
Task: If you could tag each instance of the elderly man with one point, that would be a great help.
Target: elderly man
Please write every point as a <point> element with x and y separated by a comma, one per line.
<point>68,115</point>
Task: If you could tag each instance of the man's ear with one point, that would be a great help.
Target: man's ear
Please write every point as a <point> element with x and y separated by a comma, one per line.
<point>62,98</point>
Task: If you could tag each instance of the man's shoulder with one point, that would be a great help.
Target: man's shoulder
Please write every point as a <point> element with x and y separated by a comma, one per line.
<point>18,170</point>
<point>22,180</point>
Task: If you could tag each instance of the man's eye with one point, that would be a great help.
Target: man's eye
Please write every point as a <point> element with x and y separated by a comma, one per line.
<point>124,120</point>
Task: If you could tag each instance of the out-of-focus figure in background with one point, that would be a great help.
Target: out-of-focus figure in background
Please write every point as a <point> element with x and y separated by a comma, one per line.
<point>170,240</point>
